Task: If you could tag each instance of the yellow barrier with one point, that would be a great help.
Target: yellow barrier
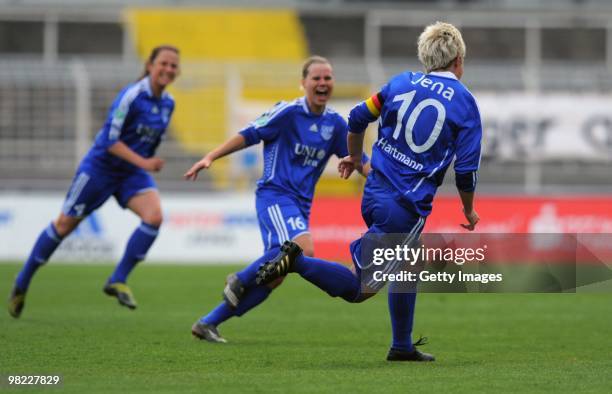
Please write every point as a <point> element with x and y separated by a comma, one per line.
<point>231,42</point>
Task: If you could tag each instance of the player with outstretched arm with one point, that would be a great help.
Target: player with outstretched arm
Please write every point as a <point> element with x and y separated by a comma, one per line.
<point>425,120</point>
<point>299,138</point>
<point>117,165</point>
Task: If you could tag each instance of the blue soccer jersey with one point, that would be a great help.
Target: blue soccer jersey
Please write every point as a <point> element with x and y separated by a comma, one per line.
<point>138,119</point>
<point>297,146</point>
<point>425,121</point>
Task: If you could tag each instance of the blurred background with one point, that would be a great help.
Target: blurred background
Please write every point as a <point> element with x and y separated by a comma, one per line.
<point>540,69</point>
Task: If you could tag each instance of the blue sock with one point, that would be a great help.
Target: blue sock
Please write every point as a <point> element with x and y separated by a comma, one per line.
<point>218,315</point>
<point>248,274</point>
<point>43,248</point>
<point>137,247</point>
<point>333,278</point>
<point>401,310</point>
<point>253,297</point>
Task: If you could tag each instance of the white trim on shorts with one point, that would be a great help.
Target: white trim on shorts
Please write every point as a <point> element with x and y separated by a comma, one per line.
<point>277,220</point>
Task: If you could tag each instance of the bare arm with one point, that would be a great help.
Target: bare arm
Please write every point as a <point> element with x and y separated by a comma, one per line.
<point>353,161</point>
<point>467,199</point>
<point>121,150</point>
<point>365,169</point>
<point>232,145</point>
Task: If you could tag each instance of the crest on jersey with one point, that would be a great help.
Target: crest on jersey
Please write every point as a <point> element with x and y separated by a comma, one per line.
<point>165,114</point>
<point>327,132</point>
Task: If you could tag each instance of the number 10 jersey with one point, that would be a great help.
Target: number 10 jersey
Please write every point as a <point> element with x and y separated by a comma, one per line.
<point>424,122</point>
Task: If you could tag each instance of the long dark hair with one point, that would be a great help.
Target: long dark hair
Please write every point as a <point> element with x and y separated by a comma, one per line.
<point>154,53</point>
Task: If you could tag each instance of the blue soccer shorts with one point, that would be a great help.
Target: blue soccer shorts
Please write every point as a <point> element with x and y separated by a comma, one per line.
<point>90,189</point>
<point>280,219</point>
<point>391,221</point>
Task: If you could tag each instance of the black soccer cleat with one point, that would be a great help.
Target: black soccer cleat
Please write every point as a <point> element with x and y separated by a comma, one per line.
<point>413,355</point>
<point>123,294</point>
<point>279,266</point>
<point>16,302</point>
<point>233,291</point>
<point>207,332</point>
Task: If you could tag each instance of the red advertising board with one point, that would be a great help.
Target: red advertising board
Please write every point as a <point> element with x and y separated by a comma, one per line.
<point>335,222</point>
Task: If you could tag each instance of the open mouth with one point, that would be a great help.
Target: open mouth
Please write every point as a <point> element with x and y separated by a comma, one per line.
<point>166,78</point>
<point>322,93</point>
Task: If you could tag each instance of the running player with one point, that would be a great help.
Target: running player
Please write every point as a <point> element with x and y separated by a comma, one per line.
<point>299,137</point>
<point>116,165</point>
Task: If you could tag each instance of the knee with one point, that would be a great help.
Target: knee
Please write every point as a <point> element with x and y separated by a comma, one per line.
<point>308,251</point>
<point>153,218</point>
<point>65,224</point>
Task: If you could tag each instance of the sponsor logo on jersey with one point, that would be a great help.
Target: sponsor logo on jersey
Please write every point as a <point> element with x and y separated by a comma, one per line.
<point>148,134</point>
<point>312,155</point>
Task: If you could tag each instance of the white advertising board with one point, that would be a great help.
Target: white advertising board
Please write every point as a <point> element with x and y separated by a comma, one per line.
<point>206,229</point>
<point>546,127</point>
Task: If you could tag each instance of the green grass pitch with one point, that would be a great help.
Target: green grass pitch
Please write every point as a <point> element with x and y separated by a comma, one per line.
<point>300,340</point>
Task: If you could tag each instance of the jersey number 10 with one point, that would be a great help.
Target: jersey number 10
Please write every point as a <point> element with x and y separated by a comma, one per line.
<point>406,99</point>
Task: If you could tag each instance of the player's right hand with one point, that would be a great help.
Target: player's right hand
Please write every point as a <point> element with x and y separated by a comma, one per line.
<point>192,173</point>
<point>472,218</point>
<point>153,164</point>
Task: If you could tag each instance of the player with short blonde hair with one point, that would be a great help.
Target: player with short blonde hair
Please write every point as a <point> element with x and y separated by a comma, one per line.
<point>426,121</point>
<point>439,45</point>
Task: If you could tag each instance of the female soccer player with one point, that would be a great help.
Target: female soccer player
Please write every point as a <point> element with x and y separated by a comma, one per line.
<point>299,137</point>
<point>425,120</point>
<point>116,165</point>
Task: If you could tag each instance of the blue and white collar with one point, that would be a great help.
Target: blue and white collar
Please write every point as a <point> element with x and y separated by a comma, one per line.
<point>146,81</point>
<point>444,74</point>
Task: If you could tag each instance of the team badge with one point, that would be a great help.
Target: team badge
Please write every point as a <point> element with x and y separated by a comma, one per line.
<point>165,114</point>
<point>327,132</point>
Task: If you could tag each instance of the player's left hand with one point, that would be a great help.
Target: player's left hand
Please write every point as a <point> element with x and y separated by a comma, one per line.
<point>472,218</point>
<point>349,164</point>
<point>192,173</point>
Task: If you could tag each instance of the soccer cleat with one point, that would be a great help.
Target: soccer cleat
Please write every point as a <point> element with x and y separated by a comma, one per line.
<point>122,292</point>
<point>413,355</point>
<point>207,332</point>
<point>233,291</point>
<point>16,302</point>
<point>279,266</point>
